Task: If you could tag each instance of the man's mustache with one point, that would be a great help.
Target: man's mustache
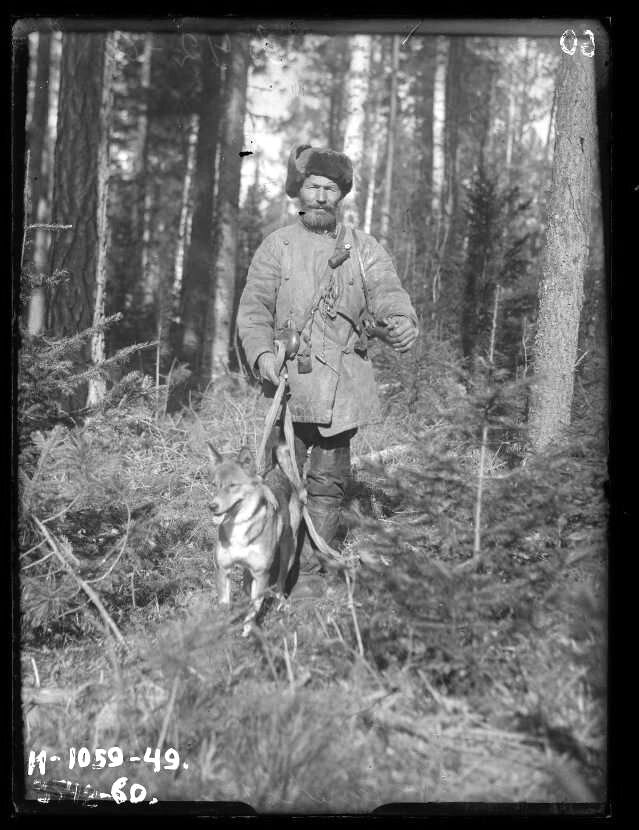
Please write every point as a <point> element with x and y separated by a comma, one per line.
<point>325,208</point>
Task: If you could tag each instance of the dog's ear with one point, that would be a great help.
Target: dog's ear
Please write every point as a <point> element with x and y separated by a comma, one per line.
<point>245,458</point>
<point>214,457</point>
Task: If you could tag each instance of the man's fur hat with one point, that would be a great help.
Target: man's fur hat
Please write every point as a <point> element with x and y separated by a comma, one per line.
<point>307,161</point>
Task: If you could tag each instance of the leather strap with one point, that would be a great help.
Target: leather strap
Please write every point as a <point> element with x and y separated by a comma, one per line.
<point>362,273</point>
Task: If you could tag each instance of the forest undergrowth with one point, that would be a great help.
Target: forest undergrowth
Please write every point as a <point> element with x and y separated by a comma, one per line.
<point>451,673</point>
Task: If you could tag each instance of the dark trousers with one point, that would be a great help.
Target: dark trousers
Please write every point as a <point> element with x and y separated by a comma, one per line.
<point>327,475</point>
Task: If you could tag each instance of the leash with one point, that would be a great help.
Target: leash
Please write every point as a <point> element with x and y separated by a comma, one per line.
<point>289,436</point>
<point>271,415</point>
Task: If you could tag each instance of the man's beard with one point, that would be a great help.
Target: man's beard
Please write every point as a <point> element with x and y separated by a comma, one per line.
<point>318,219</point>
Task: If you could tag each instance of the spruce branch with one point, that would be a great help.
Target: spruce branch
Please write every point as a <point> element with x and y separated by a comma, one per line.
<point>93,596</point>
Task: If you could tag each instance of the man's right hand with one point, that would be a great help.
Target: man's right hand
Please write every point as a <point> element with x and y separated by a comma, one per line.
<point>267,367</point>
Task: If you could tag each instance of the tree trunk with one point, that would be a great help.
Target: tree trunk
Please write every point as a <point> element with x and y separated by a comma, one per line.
<point>337,61</point>
<point>566,250</point>
<point>38,184</point>
<point>372,181</point>
<point>551,123</point>
<point>375,132</point>
<point>390,148</point>
<point>97,385</point>
<point>452,218</point>
<point>37,133</point>
<point>439,127</point>
<point>222,297</point>
<point>354,133</point>
<point>438,175</point>
<point>481,230</point>
<point>79,166</point>
<point>170,311</point>
<point>511,115</point>
<point>422,186</point>
<point>527,78</point>
<point>185,213</point>
<point>143,193</point>
<point>199,258</point>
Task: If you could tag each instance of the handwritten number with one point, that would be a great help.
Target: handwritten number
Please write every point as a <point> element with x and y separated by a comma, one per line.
<point>587,48</point>
<point>172,758</point>
<point>573,38</point>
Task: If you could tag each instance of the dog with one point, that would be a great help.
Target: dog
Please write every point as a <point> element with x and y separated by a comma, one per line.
<point>259,519</point>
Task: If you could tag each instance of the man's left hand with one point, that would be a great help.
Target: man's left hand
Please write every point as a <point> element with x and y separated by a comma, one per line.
<point>401,333</point>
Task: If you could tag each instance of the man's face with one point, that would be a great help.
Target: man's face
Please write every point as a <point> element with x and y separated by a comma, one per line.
<point>319,198</point>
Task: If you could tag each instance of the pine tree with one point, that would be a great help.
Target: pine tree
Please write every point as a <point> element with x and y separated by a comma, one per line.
<point>80,157</point>
<point>566,249</point>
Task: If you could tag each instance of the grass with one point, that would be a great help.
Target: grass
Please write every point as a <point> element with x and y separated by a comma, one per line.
<point>483,687</point>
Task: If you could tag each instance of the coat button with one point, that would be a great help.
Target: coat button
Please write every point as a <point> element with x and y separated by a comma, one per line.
<point>347,245</point>
<point>285,241</point>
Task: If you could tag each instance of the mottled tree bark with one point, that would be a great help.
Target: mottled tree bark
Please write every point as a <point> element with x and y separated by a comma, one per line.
<point>566,250</point>
<point>222,297</point>
<point>97,385</point>
<point>80,148</point>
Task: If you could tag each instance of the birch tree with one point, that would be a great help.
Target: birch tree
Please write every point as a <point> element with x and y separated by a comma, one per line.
<point>222,299</point>
<point>143,194</point>
<point>438,176</point>
<point>439,126</point>
<point>39,167</point>
<point>375,134</point>
<point>390,146</point>
<point>354,133</point>
<point>566,248</point>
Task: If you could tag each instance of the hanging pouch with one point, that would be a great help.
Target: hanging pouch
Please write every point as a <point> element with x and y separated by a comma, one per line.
<point>313,393</point>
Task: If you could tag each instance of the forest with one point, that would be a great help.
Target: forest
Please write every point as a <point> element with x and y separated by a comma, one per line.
<point>464,659</point>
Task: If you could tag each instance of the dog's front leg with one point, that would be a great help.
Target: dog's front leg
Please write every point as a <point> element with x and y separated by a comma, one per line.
<point>258,588</point>
<point>223,586</point>
<point>286,557</point>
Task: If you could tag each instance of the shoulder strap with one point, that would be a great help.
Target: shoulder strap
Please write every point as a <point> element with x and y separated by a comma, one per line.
<point>362,272</point>
<point>340,254</point>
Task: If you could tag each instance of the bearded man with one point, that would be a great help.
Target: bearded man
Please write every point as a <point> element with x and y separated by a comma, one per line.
<point>333,285</point>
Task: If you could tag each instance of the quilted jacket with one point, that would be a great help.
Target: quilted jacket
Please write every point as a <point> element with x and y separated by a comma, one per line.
<point>287,275</point>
